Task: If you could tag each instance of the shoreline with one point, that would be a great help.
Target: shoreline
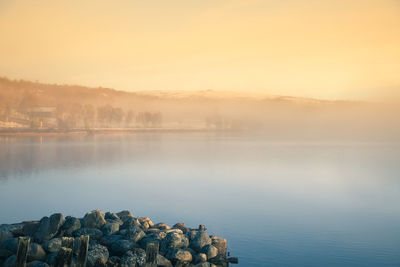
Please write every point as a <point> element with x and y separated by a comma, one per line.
<point>54,132</point>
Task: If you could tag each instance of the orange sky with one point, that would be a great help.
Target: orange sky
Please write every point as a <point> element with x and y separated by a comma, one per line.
<point>314,48</point>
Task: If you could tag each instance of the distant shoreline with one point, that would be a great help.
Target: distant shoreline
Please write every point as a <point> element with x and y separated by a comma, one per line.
<point>55,132</point>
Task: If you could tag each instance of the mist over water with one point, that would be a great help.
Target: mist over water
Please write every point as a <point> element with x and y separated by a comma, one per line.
<point>278,202</point>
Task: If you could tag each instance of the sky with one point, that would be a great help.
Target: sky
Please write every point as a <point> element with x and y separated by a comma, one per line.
<point>332,49</point>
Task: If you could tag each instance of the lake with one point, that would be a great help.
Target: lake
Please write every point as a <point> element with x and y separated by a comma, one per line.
<point>277,202</point>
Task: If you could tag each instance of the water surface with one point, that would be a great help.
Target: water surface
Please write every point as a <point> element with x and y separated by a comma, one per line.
<point>279,203</point>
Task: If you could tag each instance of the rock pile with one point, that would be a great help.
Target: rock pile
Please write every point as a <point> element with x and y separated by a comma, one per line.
<point>116,239</point>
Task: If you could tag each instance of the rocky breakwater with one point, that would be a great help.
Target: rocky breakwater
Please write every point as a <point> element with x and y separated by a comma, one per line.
<point>116,239</point>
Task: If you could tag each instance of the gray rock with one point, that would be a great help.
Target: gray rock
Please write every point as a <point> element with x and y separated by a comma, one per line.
<point>10,245</point>
<point>124,215</point>
<point>111,216</point>
<point>204,264</point>
<point>5,253</point>
<point>114,261</point>
<point>210,251</point>
<point>200,240</point>
<point>36,252</point>
<point>93,233</point>
<point>218,260</point>
<point>174,240</point>
<point>30,228</point>
<point>5,234</point>
<point>130,222</point>
<point>201,257</point>
<point>37,264</point>
<point>135,234</point>
<point>48,227</point>
<point>162,261</point>
<point>110,228</point>
<point>220,244</point>
<point>120,247</point>
<point>181,226</point>
<point>162,226</point>
<point>133,258</point>
<point>191,234</point>
<point>70,225</point>
<point>178,255</point>
<point>95,253</point>
<point>94,219</point>
<point>10,262</point>
<point>53,245</point>
<point>51,258</point>
<point>110,239</point>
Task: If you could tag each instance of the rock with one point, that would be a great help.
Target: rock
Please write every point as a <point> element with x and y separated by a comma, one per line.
<point>5,253</point>
<point>135,234</point>
<point>174,240</point>
<point>191,234</point>
<point>30,228</point>
<point>124,215</point>
<point>218,260</point>
<point>149,238</point>
<point>94,219</point>
<point>48,227</point>
<point>136,257</point>
<point>162,226</point>
<point>37,264</point>
<point>120,247</point>
<point>110,228</point>
<point>201,257</point>
<point>110,239</point>
<point>70,225</point>
<point>220,244</point>
<point>130,222</point>
<point>93,233</point>
<point>53,245</point>
<point>10,244</point>
<point>162,261</point>
<point>200,240</point>
<point>51,258</point>
<point>111,216</point>
<point>5,234</point>
<point>178,255</point>
<point>10,262</point>
<point>95,253</point>
<point>114,261</point>
<point>36,252</point>
<point>203,264</point>
<point>210,251</point>
<point>181,226</point>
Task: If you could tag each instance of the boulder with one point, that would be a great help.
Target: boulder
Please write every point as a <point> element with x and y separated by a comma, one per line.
<point>53,245</point>
<point>5,234</point>
<point>10,245</point>
<point>30,228</point>
<point>110,228</point>
<point>48,227</point>
<point>96,252</point>
<point>120,247</point>
<point>110,239</point>
<point>10,262</point>
<point>181,226</point>
<point>124,215</point>
<point>178,255</point>
<point>94,219</point>
<point>130,222</point>
<point>135,234</point>
<point>162,261</point>
<point>36,252</point>
<point>51,258</point>
<point>111,216</point>
<point>200,240</point>
<point>201,257</point>
<point>37,264</point>
<point>191,234</point>
<point>210,251</point>
<point>204,264</point>
<point>174,240</point>
<point>220,244</point>
<point>114,261</point>
<point>135,257</point>
<point>93,233</point>
<point>162,226</point>
<point>4,253</point>
<point>70,225</point>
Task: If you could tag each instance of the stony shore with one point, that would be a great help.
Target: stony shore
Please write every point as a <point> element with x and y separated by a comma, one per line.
<point>116,239</point>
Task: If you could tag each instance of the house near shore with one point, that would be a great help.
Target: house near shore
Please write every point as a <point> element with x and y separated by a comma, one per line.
<point>43,117</point>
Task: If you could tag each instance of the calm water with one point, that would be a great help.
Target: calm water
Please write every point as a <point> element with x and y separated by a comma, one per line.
<point>279,203</point>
